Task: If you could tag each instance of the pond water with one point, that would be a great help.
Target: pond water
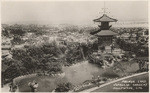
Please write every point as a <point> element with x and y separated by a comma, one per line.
<point>83,71</point>
<point>76,74</point>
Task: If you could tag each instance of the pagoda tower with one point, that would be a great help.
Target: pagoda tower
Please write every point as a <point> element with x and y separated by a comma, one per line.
<point>104,34</point>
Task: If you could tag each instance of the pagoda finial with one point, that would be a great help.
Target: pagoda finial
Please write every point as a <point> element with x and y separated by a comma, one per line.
<point>104,9</point>
<point>104,18</point>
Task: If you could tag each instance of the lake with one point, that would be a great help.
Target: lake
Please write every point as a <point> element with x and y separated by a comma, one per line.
<point>76,74</point>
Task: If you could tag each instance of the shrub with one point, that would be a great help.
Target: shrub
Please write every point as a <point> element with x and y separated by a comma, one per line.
<point>64,87</point>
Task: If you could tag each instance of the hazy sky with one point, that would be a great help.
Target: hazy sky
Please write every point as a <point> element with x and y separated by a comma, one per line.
<point>76,12</point>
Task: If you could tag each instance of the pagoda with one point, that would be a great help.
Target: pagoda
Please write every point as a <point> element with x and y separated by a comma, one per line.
<point>104,34</point>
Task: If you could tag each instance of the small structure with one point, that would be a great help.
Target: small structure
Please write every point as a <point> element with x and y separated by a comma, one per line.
<point>105,36</point>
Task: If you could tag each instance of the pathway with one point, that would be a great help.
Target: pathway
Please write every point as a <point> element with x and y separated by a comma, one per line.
<point>103,85</point>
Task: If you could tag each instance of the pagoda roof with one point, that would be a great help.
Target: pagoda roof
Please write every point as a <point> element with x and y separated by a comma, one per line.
<point>106,33</point>
<point>105,18</point>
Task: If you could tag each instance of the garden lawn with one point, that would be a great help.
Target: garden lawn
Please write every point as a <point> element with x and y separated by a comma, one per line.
<point>46,83</point>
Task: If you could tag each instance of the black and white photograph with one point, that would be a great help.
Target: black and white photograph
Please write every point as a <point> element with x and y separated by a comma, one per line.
<point>74,46</point>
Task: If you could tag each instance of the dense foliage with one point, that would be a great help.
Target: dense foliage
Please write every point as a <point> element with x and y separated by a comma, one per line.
<point>46,58</point>
<point>137,48</point>
<point>64,87</point>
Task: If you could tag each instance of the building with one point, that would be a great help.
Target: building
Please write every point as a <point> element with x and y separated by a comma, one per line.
<point>125,36</point>
<point>143,33</point>
<point>117,51</point>
<point>105,36</point>
<point>133,37</point>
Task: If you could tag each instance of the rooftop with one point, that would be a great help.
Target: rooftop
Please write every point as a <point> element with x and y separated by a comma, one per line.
<point>105,18</point>
<point>142,58</point>
<point>106,33</point>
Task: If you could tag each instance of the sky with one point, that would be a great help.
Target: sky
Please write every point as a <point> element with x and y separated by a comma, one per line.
<point>71,12</point>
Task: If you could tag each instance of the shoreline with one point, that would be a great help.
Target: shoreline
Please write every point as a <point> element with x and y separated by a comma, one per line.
<point>116,80</point>
<point>6,87</point>
<point>76,64</point>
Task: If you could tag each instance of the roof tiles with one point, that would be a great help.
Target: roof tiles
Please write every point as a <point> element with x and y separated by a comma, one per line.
<point>105,18</point>
<point>106,33</point>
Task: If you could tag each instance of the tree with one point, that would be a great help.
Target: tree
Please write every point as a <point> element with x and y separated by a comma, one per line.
<point>5,32</point>
<point>64,87</point>
<point>17,30</point>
